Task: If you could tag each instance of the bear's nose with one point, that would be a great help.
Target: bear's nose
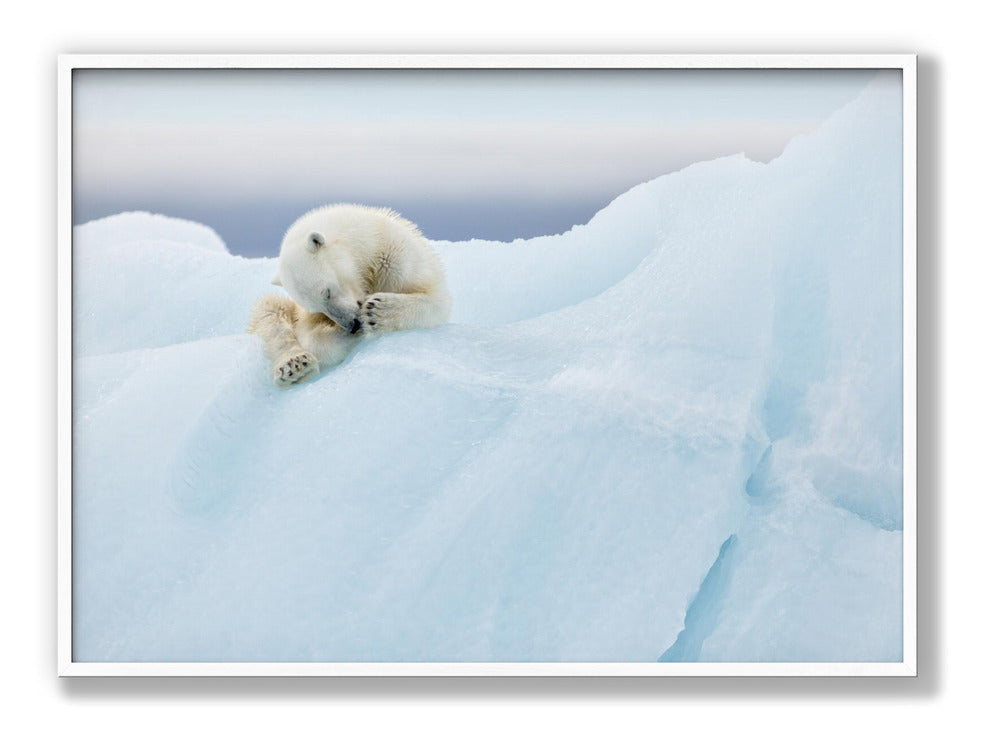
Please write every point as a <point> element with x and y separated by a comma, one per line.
<point>355,326</point>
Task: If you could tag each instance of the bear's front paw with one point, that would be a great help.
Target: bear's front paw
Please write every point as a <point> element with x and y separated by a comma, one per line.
<point>380,313</point>
<point>294,369</point>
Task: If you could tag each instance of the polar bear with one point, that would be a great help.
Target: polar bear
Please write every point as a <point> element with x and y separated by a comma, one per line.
<point>351,270</point>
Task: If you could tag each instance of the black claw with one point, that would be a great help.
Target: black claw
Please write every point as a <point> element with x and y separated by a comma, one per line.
<point>371,322</point>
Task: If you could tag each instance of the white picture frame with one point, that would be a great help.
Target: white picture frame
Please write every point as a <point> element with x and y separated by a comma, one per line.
<point>67,64</point>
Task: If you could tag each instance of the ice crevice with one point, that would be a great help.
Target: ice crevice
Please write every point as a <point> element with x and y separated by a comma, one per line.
<point>701,615</point>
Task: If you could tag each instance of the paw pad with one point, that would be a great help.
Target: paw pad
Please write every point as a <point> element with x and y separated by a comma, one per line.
<point>295,369</point>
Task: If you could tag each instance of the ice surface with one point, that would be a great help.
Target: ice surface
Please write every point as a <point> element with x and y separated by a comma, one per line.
<point>143,281</point>
<point>138,227</point>
<point>673,433</point>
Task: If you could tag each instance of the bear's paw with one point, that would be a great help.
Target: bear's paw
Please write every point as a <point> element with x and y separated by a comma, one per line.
<point>295,368</point>
<point>381,313</point>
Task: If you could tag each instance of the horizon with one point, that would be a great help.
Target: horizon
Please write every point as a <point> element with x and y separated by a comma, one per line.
<point>490,154</point>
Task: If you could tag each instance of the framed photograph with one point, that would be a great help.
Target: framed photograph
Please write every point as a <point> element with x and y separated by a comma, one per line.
<point>487,365</point>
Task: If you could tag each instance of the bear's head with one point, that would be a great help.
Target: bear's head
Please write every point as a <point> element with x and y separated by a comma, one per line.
<point>319,274</point>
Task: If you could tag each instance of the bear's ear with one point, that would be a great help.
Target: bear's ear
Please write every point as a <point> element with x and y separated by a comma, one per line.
<point>276,279</point>
<point>315,241</point>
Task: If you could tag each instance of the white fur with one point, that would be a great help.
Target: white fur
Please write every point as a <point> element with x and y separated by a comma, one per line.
<point>347,266</point>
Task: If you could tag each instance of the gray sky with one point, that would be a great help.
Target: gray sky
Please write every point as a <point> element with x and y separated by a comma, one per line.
<point>464,153</point>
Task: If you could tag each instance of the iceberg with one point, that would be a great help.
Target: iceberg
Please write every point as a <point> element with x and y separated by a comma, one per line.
<point>673,433</point>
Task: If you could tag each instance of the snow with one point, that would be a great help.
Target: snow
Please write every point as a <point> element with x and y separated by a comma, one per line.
<point>673,433</point>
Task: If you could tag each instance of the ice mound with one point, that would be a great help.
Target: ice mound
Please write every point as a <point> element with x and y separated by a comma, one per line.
<point>138,227</point>
<point>144,281</point>
<point>673,433</point>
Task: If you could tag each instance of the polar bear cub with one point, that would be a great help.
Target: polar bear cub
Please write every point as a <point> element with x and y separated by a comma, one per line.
<point>351,270</point>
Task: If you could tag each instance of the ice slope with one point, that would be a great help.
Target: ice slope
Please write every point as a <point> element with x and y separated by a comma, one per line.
<point>673,433</point>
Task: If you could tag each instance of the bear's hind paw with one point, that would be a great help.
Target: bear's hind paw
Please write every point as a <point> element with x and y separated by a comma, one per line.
<point>295,368</point>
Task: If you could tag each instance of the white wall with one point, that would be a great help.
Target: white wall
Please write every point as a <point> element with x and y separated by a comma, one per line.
<point>958,489</point>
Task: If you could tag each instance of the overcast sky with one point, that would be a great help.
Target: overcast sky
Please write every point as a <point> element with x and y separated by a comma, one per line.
<point>464,153</point>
